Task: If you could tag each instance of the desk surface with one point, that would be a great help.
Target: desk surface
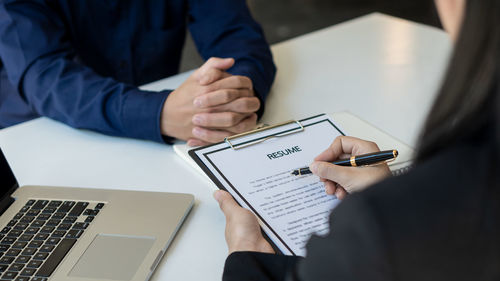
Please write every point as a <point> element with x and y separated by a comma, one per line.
<point>383,69</point>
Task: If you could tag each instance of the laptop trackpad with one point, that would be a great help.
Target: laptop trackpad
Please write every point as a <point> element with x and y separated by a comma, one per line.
<point>115,257</point>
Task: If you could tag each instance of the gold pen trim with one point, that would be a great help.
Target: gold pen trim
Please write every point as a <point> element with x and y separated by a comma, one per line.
<point>353,161</point>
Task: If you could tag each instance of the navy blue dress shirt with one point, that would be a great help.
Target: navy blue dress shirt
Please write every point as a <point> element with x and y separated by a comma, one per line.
<point>80,61</point>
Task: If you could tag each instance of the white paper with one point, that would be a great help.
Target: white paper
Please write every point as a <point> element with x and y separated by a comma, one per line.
<point>290,208</point>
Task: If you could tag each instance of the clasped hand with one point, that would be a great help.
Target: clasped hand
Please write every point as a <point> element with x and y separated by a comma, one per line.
<point>242,228</point>
<point>210,105</point>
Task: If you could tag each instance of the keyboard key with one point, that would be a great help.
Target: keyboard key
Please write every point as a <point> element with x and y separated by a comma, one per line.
<point>33,213</point>
<point>58,233</point>
<point>64,226</point>
<point>27,219</point>
<point>4,248</point>
<point>34,263</point>
<point>31,230</point>
<point>13,252</point>
<point>40,256</point>
<point>14,233</point>
<point>49,210</point>
<point>53,222</point>
<point>21,226</point>
<point>99,206</point>
<point>35,244</point>
<point>18,216</point>
<point>41,236</point>
<point>25,237</point>
<point>53,241</point>
<point>23,278</point>
<point>29,251</point>
<point>89,219</point>
<point>80,225</point>
<point>9,275</point>
<point>30,202</point>
<point>55,258</point>
<point>24,209</point>
<point>6,260</point>
<point>43,217</point>
<point>66,206</point>
<point>58,216</point>
<point>40,204</point>
<point>69,220</point>
<point>28,272</point>
<point>38,223</point>
<point>23,259</point>
<point>19,245</point>
<point>38,279</point>
<point>5,230</point>
<point>74,233</point>
<point>8,240</point>
<point>55,203</point>
<point>16,267</point>
<point>47,229</point>
<point>78,209</point>
<point>3,267</point>
<point>12,223</point>
<point>47,248</point>
<point>90,212</point>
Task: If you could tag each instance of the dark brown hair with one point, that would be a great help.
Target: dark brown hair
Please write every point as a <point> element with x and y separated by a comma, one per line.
<point>469,92</point>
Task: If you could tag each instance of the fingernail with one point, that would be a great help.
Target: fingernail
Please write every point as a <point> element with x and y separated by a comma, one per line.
<point>313,167</point>
<point>197,132</point>
<point>198,103</point>
<point>197,120</point>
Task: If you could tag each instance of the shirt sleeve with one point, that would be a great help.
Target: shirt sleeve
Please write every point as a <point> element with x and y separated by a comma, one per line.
<point>42,64</point>
<point>225,28</point>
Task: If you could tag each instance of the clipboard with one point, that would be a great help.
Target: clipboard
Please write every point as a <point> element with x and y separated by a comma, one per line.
<point>209,159</point>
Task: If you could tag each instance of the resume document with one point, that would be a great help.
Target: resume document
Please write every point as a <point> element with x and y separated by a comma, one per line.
<point>290,208</point>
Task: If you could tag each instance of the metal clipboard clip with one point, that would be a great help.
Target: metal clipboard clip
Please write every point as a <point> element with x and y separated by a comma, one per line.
<point>228,140</point>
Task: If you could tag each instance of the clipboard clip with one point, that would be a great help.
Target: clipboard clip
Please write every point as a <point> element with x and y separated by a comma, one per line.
<point>228,140</point>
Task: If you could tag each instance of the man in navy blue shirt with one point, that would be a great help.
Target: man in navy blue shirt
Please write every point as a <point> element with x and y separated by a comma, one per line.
<point>80,62</point>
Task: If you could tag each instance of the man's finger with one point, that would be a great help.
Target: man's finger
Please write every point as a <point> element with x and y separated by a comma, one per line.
<point>207,76</point>
<point>210,136</point>
<point>241,105</point>
<point>218,63</point>
<point>196,142</point>
<point>245,125</point>
<point>218,119</point>
<point>220,97</point>
<point>226,202</point>
<point>232,82</point>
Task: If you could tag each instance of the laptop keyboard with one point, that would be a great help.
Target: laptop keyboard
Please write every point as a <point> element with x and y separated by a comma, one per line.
<point>40,235</point>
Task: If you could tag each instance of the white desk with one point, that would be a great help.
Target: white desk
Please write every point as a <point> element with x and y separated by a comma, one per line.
<point>380,68</point>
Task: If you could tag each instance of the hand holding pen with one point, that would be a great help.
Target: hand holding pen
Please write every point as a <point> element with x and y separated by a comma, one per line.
<point>340,180</point>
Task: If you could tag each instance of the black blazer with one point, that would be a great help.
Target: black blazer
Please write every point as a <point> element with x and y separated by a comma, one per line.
<point>438,222</point>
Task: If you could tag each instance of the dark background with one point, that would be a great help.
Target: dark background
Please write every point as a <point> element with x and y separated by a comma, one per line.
<point>285,19</point>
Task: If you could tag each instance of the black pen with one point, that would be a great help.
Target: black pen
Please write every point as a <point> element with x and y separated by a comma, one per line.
<point>359,160</point>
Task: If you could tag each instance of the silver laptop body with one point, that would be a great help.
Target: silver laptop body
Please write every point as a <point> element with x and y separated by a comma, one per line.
<point>125,239</point>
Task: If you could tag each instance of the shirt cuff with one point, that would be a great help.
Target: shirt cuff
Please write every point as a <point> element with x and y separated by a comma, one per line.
<point>141,114</point>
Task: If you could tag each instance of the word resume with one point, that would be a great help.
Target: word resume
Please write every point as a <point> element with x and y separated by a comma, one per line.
<point>289,208</point>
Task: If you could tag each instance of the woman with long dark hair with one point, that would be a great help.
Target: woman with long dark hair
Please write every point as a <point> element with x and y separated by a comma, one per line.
<point>440,221</point>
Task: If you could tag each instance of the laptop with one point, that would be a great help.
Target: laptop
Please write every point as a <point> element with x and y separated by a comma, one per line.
<point>58,233</point>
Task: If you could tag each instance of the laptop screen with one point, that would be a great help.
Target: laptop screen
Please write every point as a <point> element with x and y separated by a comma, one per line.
<point>8,183</point>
